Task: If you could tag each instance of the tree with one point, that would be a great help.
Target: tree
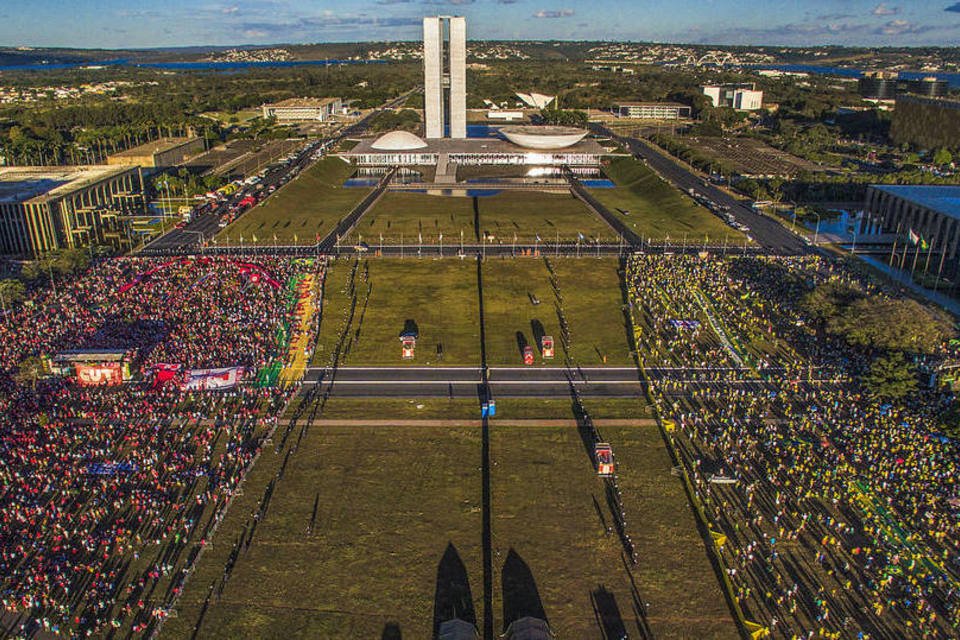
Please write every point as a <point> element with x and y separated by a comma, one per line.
<point>29,371</point>
<point>12,291</point>
<point>942,157</point>
<point>891,325</point>
<point>890,376</point>
<point>829,299</point>
<point>564,118</point>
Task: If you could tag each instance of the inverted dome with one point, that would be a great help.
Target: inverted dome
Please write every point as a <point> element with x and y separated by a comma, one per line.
<point>533,137</point>
<point>398,141</point>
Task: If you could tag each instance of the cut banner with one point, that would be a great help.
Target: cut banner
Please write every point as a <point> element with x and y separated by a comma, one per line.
<point>212,379</point>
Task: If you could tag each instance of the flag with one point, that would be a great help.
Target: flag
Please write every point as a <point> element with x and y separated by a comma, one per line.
<point>420,238</point>
<point>241,238</point>
<point>255,238</point>
<point>923,243</point>
<point>580,235</point>
<point>914,238</point>
<point>295,239</point>
<point>538,238</point>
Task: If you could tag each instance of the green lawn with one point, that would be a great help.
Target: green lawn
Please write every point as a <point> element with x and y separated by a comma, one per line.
<point>656,208</point>
<point>311,204</point>
<point>387,503</point>
<point>469,409</point>
<point>438,297</point>
<point>550,519</point>
<point>367,303</point>
<point>524,214</point>
<point>590,299</point>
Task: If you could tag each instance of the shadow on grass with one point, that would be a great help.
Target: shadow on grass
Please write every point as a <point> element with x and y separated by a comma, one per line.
<point>452,598</point>
<point>521,598</point>
<point>391,631</point>
<point>608,614</point>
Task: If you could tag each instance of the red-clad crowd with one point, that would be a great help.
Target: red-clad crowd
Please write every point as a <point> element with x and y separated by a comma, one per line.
<point>108,492</point>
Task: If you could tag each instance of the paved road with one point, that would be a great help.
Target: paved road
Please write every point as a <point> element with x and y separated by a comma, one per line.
<point>765,232</point>
<point>466,382</point>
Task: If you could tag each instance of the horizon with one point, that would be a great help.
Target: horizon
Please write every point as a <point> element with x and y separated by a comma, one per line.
<point>122,25</point>
<point>267,45</point>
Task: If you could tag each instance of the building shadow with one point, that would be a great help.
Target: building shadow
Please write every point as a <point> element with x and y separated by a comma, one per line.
<point>536,327</point>
<point>608,614</point>
<point>521,598</point>
<point>452,597</point>
<point>391,631</point>
<point>476,218</point>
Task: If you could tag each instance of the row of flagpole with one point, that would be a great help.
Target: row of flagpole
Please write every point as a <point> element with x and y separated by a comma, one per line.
<point>919,243</point>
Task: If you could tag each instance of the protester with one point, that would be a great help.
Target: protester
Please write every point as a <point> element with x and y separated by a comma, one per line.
<point>105,490</point>
<point>839,511</point>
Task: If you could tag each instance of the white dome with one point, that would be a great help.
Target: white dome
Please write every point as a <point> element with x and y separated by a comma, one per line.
<point>543,137</point>
<point>398,141</point>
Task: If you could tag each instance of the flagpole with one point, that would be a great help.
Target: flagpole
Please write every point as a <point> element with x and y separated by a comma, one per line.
<point>893,249</point>
<point>943,254</point>
<point>926,264</point>
<point>916,254</point>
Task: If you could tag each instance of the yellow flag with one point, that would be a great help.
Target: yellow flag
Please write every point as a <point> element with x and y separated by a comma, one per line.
<point>295,238</point>
<point>255,238</point>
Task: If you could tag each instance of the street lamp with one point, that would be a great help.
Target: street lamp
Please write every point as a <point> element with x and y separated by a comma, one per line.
<point>816,232</point>
<point>199,233</point>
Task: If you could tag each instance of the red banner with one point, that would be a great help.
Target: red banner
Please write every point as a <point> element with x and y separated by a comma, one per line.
<point>108,373</point>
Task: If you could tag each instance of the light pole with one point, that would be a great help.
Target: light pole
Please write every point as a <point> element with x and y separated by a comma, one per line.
<point>52,281</point>
<point>816,232</point>
<point>199,233</point>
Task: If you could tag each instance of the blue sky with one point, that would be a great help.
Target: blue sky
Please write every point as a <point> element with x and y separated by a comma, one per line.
<point>124,23</point>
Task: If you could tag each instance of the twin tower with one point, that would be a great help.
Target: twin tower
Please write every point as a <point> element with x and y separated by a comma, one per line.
<point>445,76</point>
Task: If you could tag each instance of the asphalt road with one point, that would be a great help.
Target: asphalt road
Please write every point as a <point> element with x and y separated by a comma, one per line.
<point>769,234</point>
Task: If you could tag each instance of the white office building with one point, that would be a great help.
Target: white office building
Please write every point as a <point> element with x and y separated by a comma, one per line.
<point>742,97</point>
<point>445,76</point>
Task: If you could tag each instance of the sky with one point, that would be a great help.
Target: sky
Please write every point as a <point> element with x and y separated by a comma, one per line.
<point>166,23</point>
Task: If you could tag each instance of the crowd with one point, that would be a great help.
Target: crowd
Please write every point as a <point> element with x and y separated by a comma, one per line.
<point>108,493</point>
<point>838,511</point>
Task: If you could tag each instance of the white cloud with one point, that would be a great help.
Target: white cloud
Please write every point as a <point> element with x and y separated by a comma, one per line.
<point>883,10</point>
<point>562,13</point>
